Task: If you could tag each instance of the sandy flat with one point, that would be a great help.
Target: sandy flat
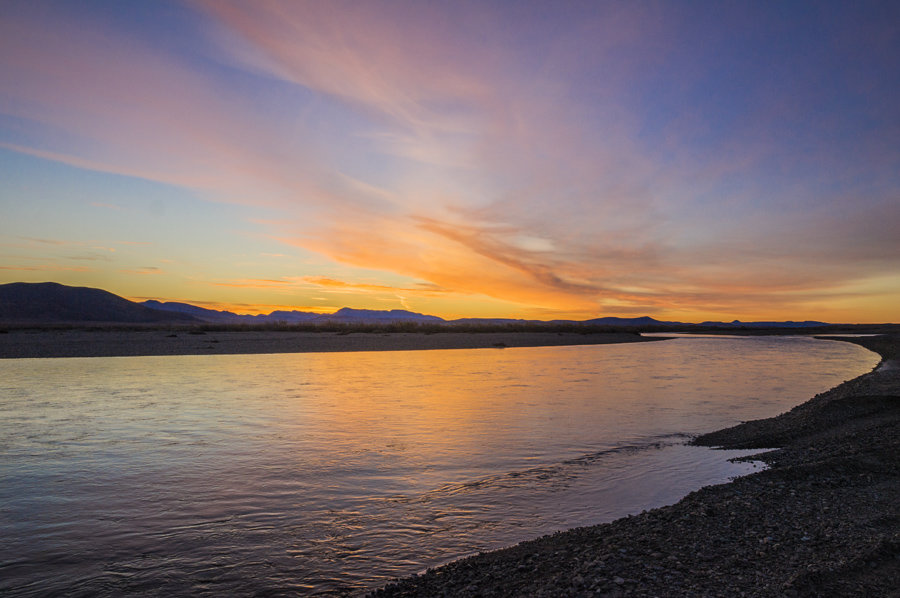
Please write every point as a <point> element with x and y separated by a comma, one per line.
<point>114,343</point>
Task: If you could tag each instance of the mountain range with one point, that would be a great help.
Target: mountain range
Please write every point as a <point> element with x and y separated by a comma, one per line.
<point>348,315</point>
<point>51,302</point>
<point>47,302</point>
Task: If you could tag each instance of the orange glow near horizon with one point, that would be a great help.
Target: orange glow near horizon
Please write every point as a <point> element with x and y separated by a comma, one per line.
<point>450,306</point>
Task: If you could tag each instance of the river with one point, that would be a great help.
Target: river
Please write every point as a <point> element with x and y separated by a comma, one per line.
<point>297,474</point>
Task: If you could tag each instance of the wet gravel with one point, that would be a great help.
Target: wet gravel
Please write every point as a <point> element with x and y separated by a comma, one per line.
<point>823,520</point>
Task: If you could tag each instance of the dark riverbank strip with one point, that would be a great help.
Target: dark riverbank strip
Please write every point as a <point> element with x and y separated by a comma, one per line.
<point>98,342</point>
<point>823,520</point>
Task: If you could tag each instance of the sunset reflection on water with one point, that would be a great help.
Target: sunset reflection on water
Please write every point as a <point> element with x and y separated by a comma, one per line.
<point>320,472</point>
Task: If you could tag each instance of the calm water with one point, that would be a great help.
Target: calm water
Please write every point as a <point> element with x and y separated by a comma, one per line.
<point>322,473</point>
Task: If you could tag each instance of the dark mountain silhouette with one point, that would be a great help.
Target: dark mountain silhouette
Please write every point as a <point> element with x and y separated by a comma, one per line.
<point>52,302</point>
<point>292,316</point>
<point>345,315</point>
<point>228,317</point>
<point>201,313</point>
<point>496,321</point>
<point>47,302</point>
<point>348,314</point>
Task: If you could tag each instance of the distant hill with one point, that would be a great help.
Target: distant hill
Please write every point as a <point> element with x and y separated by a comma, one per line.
<point>347,314</point>
<point>228,317</point>
<point>292,316</point>
<point>495,322</point>
<point>201,313</point>
<point>344,315</point>
<point>788,324</point>
<point>49,302</point>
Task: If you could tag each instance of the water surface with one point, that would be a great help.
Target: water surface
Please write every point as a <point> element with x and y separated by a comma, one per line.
<point>323,473</point>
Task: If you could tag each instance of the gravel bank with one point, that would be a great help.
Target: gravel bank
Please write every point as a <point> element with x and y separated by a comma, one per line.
<point>824,520</point>
<point>121,343</point>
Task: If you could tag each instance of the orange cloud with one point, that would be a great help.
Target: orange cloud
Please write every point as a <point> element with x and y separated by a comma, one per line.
<point>420,289</point>
<point>143,271</point>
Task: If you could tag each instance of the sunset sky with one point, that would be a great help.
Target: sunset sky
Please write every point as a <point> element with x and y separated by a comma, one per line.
<point>683,160</point>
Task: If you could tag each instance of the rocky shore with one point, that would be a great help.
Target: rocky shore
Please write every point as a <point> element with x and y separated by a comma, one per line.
<point>822,520</point>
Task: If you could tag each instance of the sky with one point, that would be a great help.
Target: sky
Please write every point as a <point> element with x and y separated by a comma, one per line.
<point>685,160</point>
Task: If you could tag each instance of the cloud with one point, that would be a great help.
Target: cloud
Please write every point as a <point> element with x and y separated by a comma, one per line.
<point>298,283</point>
<point>449,228</point>
<point>143,270</point>
<point>46,241</point>
<point>90,258</point>
<point>339,48</point>
<point>113,104</point>
<point>48,268</point>
<point>108,206</point>
<point>419,289</point>
<point>253,283</point>
<point>575,160</point>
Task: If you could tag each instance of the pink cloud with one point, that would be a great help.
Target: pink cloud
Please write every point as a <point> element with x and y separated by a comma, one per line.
<point>114,106</point>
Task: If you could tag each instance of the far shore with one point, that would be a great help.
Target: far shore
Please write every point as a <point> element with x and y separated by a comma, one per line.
<point>112,342</point>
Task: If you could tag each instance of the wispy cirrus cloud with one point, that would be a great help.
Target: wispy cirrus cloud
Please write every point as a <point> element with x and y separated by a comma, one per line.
<point>296,282</point>
<point>143,270</point>
<point>47,268</point>
<point>367,287</point>
<point>118,105</point>
<point>56,242</point>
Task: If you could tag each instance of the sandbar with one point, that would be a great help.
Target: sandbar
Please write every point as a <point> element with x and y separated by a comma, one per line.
<point>101,342</point>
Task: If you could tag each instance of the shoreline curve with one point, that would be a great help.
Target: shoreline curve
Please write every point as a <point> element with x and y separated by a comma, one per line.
<point>822,520</point>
